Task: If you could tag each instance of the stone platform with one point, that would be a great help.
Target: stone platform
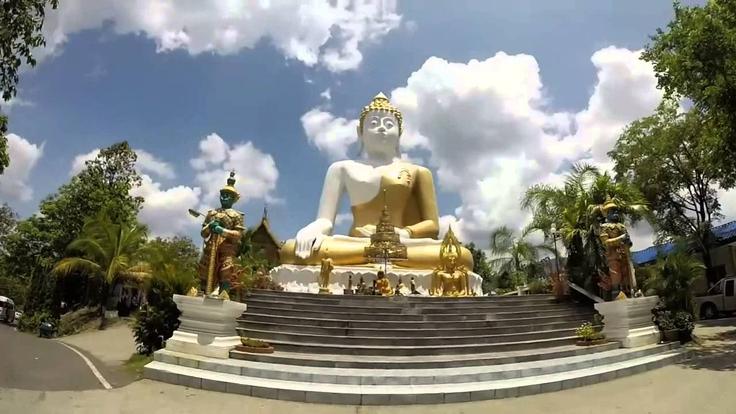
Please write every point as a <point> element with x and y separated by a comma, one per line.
<point>303,279</point>
<point>369,350</point>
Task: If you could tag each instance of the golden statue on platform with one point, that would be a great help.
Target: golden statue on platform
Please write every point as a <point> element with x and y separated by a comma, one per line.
<point>383,285</point>
<point>222,231</point>
<point>450,278</point>
<point>324,276</point>
<point>378,178</point>
<point>617,242</point>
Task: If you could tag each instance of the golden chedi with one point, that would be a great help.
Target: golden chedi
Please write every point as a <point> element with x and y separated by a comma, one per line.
<point>409,194</point>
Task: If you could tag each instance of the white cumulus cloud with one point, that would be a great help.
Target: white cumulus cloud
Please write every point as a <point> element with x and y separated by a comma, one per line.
<point>256,171</point>
<point>14,182</point>
<point>330,134</point>
<point>164,211</point>
<point>324,32</point>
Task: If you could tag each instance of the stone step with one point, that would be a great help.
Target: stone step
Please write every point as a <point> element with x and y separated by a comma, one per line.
<point>323,348</point>
<point>342,322</point>
<point>421,361</point>
<point>352,394</point>
<point>390,341</point>
<point>375,376</point>
<point>369,316</point>
<point>410,308</point>
<point>397,300</point>
<point>408,331</point>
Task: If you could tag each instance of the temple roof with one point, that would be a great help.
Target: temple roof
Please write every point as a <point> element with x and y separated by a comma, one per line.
<point>724,233</point>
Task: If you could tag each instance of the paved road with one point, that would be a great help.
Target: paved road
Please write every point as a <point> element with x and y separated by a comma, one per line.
<point>32,363</point>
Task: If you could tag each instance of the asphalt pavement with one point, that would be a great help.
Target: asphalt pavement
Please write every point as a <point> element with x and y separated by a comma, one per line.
<point>32,363</point>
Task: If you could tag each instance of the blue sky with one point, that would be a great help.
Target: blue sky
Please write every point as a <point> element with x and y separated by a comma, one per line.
<point>113,72</point>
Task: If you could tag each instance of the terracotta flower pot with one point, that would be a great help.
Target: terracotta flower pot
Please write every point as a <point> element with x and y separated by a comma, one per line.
<point>589,342</point>
<point>671,335</point>
<point>254,349</point>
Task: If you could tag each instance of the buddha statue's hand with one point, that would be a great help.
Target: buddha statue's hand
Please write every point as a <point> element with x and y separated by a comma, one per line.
<point>402,232</point>
<point>213,224</point>
<point>219,229</point>
<point>310,238</point>
<point>367,230</point>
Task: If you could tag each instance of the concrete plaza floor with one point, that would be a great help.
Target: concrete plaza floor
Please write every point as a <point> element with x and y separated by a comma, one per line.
<point>703,385</point>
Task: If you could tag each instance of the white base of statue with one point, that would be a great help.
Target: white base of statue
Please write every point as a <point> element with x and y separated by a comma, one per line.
<point>207,326</point>
<point>295,278</point>
<point>629,321</point>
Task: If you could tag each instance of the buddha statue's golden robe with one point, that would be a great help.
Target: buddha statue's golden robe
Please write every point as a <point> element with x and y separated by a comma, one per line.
<point>410,197</point>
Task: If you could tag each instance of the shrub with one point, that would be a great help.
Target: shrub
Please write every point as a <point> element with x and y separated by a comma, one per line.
<point>31,322</point>
<point>538,286</point>
<point>77,321</point>
<point>663,319</point>
<point>157,320</point>
<point>588,332</point>
<point>684,321</point>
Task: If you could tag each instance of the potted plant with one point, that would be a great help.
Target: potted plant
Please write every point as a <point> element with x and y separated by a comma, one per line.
<point>684,324</point>
<point>254,346</point>
<point>588,335</point>
<point>666,324</point>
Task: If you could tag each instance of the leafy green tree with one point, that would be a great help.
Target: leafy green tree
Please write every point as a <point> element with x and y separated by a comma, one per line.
<point>515,256</point>
<point>482,267</point>
<point>109,252</point>
<point>674,160</point>
<point>21,22</point>
<point>695,57</point>
<point>574,210</point>
<point>41,240</point>
<point>8,221</point>
<point>672,278</point>
<point>173,262</point>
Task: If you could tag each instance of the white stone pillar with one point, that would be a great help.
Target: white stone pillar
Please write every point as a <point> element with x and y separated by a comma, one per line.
<point>207,326</point>
<point>629,321</point>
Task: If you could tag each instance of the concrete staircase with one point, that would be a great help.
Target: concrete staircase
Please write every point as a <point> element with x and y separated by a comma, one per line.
<point>367,350</point>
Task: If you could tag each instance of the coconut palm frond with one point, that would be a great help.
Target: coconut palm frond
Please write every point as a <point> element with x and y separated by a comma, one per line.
<point>75,264</point>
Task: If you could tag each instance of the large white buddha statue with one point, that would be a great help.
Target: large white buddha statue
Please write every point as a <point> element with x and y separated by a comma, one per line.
<point>379,177</point>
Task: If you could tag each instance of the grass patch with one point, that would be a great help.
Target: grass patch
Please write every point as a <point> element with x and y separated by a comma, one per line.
<point>136,362</point>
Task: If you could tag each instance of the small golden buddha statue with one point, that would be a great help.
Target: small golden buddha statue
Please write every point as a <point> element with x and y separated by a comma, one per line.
<point>450,278</point>
<point>324,276</point>
<point>383,285</point>
<point>409,192</point>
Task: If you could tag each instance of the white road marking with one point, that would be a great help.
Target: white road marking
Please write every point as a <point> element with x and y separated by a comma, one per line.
<point>91,366</point>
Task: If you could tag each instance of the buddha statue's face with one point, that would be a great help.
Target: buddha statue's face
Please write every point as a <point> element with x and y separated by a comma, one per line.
<point>380,134</point>
<point>227,199</point>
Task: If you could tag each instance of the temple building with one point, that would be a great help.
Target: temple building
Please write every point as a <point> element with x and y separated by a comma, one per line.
<point>263,238</point>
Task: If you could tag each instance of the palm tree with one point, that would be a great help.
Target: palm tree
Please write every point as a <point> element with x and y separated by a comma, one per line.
<point>673,277</point>
<point>169,265</point>
<point>574,209</point>
<point>109,252</point>
<point>514,256</point>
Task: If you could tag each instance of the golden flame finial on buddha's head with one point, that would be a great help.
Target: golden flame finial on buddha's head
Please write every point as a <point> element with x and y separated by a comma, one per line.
<point>381,103</point>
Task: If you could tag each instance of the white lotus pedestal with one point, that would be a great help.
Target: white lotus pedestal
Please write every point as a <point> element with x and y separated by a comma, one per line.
<point>629,321</point>
<point>207,326</point>
<point>295,278</point>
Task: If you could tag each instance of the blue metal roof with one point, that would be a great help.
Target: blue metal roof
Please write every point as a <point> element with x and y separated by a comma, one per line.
<point>722,232</point>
